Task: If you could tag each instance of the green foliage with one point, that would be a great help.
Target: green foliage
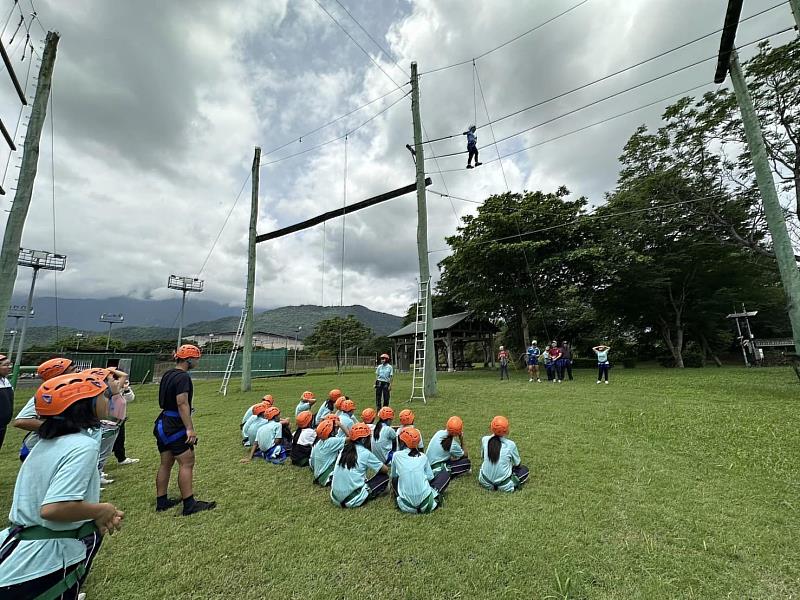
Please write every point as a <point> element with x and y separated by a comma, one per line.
<point>693,359</point>
<point>336,334</point>
<point>441,305</point>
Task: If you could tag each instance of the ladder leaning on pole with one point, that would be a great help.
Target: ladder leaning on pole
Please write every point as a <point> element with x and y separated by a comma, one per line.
<point>418,368</point>
<point>237,339</point>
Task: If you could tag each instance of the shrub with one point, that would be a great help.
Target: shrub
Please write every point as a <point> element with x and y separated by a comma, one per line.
<point>666,361</point>
<point>629,363</point>
<point>693,360</point>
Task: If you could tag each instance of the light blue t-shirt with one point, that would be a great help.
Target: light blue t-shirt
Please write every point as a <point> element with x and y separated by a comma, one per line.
<point>602,357</point>
<point>346,421</point>
<point>401,445</point>
<point>322,413</point>
<point>323,455</point>
<point>437,454</point>
<point>267,434</point>
<point>492,474</point>
<point>303,405</point>
<point>63,469</point>
<point>252,426</point>
<point>29,412</point>
<point>385,443</point>
<point>247,414</point>
<point>384,372</point>
<point>346,481</point>
<point>413,476</point>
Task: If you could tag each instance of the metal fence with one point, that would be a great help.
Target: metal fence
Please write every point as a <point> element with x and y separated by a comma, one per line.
<point>264,363</point>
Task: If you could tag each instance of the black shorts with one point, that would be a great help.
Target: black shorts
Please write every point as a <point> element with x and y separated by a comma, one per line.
<point>170,435</point>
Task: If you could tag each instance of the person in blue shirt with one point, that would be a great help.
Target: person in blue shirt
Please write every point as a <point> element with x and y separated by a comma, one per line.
<point>56,519</point>
<point>350,487</point>
<point>602,361</point>
<point>407,420</point>
<point>325,450</point>
<point>327,406</point>
<point>416,488</point>
<point>447,452</point>
<point>307,400</point>
<point>256,421</point>
<point>384,436</point>
<point>384,374</point>
<point>272,441</point>
<point>501,469</point>
<point>472,146</point>
<point>346,419</point>
<point>533,362</point>
<point>267,401</point>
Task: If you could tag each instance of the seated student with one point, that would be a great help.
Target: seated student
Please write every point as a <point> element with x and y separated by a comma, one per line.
<point>270,441</point>
<point>307,400</point>
<point>27,419</point>
<point>327,406</point>
<point>346,419</point>
<point>57,521</point>
<point>447,452</point>
<point>325,450</point>
<point>249,413</point>
<point>416,488</point>
<point>350,487</point>
<point>501,468</point>
<point>407,420</point>
<point>368,416</point>
<point>303,439</point>
<point>256,421</point>
<point>384,437</point>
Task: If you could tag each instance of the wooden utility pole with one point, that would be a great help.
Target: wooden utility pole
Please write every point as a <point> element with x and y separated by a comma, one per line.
<point>795,4</point>
<point>9,253</point>
<point>422,235</point>
<point>247,343</point>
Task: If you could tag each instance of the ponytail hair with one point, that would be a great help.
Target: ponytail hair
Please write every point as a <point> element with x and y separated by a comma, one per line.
<point>447,442</point>
<point>349,455</point>
<point>296,435</point>
<point>376,433</point>
<point>414,452</point>
<point>495,443</point>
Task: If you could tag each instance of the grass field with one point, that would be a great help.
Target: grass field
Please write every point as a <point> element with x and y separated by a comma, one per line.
<point>664,484</point>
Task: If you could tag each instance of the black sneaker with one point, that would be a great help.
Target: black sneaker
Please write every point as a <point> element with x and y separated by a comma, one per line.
<point>477,164</point>
<point>198,506</point>
<point>171,503</point>
<point>469,166</point>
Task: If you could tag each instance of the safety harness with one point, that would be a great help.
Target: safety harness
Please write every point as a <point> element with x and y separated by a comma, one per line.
<point>169,439</point>
<point>354,494</point>
<point>325,475</point>
<point>511,478</point>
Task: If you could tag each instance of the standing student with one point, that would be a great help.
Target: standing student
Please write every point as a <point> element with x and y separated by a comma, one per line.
<point>57,521</point>
<point>602,362</point>
<point>384,374</point>
<point>346,420</point>
<point>566,356</point>
<point>502,358</point>
<point>119,444</point>
<point>175,434</point>
<point>271,442</point>
<point>447,451</point>
<point>533,354</point>
<point>384,436</point>
<point>325,450</point>
<point>501,469</point>
<point>6,397</point>
<point>407,420</point>
<point>303,439</point>
<point>558,361</point>
<point>327,406</point>
<point>549,365</point>
<point>416,488</point>
<point>307,400</point>
<point>368,416</point>
<point>350,487</point>
<point>27,419</point>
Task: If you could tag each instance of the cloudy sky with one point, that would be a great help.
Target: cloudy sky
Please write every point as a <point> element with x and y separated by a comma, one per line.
<point>158,106</point>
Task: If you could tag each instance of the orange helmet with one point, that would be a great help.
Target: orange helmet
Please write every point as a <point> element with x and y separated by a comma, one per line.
<point>360,430</point>
<point>411,437</point>
<point>304,419</point>
<point>56,395</point>
<point>268,400</point>
<point>368,415</point>
<point>334,394</point>
<point>387,412</point>
<point>272,412</point>
<point>260,409</point>
<point>187,351</point>
<point>98,372</point>
<point>455,426</point>
<point>406,417</point>
<point>333,417</point>
<point>338,404</point>
<point>347,406</point>
<point>325,429</point>
<point>52,368</point>
<point>499,426</point>
<point>308,396</point>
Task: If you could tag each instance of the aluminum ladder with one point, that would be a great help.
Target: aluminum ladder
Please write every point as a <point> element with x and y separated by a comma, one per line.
<point>237,339</point>
<point>418,368</point>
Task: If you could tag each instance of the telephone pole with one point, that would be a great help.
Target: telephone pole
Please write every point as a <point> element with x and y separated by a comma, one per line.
<point>782,245</point>
<point>422,235</point>
<point>9,253</point>
<point>247,342</point>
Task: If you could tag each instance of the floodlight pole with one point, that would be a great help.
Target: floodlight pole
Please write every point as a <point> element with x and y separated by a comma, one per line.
<point>21,347</point>
<point>180,325</point>
<point>247,343</point>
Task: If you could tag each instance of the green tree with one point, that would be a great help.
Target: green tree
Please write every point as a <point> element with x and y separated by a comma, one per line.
<point>338,334</point>
<point>440,304</point>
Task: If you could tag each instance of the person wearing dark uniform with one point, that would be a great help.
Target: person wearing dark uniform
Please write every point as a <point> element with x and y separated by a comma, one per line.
<point>175,434</point>
<point>566,356</point>
<point>6,397</point>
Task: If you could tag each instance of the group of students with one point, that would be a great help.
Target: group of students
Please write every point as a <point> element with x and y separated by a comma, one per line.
<point>361,459</point>
<point>557,361</point>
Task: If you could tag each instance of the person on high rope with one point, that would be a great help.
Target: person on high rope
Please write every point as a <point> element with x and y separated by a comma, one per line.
<point>472,147</point>
<point>175,434</point>
<point>6,397</point>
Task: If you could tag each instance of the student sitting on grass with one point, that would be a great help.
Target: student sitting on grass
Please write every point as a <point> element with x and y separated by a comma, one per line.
<point>346,419</point>
<point>56,519</point>
<point>446,450</point>
<point>416,488</point>
<point>307,401</point>
<point>368,416</point>
<point>272,439</point>
<point>325,450</point>
<point>303,439</point>
<point>501,468</point>
<point>384,437</point>
<point>327,406</point>
<point>256,421</point>
<point>350,487</point>
<point>337,405</point>
<point>407,420</point>
<point>267,400</point>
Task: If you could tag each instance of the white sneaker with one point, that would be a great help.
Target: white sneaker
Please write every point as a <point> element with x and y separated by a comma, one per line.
<point>598,381</point>
<point>82,596</point>
<point>606,381</point>
<point>129,461</point>
<point>105,480</point>
<point>538,381</point>
<point>529,380</point>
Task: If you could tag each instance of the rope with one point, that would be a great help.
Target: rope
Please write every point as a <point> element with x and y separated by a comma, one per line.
<point>53,203</point>
<point>224,223</point>
<point>8,18</point>
<point>344,217</point>
<point>322,294</point>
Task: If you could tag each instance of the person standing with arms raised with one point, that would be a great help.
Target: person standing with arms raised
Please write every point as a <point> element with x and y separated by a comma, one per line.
<point>384,374</point>
<point>175,433</point>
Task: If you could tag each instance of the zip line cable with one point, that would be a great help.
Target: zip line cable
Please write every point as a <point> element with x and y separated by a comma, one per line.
<point>344,217</point>
<point>8,18</point>
<point>609,76</point>
<point>53,204</point>
<point>224,223</point>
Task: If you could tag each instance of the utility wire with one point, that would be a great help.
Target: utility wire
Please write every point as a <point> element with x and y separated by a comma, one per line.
<point>8,18</point>
<point>224,223</point>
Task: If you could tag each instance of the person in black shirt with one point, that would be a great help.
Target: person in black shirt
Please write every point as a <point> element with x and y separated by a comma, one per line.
<point>175,435</point>
<point>6,397</point>
<point>566,356</point>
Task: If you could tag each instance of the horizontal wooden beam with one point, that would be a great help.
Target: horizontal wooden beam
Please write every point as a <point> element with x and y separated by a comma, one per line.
<point>7,136</point>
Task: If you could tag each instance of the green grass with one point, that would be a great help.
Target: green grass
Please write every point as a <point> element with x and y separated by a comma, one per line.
<point>664,484</point>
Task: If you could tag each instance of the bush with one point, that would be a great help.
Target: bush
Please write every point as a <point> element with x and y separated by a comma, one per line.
<point>629,363</point>
<point>693,360</point>
<point>666,361</point>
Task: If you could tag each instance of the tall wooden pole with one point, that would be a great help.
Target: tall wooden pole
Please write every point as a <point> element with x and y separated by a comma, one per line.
<point>422,235</point>
<point>9,253</point>
<point>795,4</point>
<point>247,343</point>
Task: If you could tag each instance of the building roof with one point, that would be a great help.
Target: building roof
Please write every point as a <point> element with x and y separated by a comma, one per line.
<point>439,324</point>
